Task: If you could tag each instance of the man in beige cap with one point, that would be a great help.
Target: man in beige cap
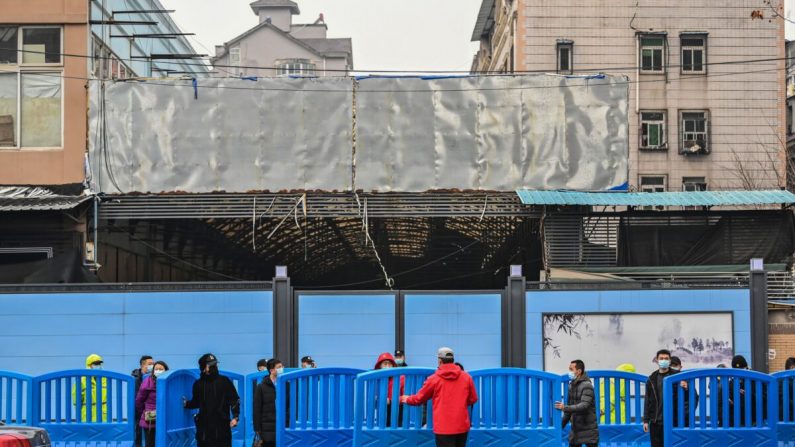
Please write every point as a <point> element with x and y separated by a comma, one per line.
<point>452,391</point>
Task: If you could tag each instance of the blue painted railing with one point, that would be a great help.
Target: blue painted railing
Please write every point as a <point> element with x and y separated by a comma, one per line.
<point>785,427</point>
<point>734,407</point>
<point>620,398</point>
<point>516,407</point>
<point>379,419</point>
<point>16,398</point>
<point>316,409</point>
<point>81,407</point>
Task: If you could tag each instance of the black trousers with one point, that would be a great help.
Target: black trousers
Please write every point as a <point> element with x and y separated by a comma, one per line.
<point>586,445</point>
<point>656,432</point>
<point>459,440</point>
<point>149,435</point>
<point>138,431</point>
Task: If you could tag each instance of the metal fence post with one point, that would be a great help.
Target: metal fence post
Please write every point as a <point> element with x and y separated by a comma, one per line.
<point>284,320</point>
<point>759,321</point>
<point>514,321</point>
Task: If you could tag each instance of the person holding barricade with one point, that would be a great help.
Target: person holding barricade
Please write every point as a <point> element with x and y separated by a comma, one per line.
<point>453,392</point>
<point>216,397</point>
<point>146,403</point>
<point>580,409</point>
<point>265,404</point>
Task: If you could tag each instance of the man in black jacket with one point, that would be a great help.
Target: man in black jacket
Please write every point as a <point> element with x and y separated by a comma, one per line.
<point>580,409</point>
<point>145,366</point>
<point>653,408</point>
<point>265,404</point>
<point>216,397</point>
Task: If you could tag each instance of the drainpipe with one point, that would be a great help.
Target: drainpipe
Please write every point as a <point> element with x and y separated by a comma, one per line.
<point>637,74</point>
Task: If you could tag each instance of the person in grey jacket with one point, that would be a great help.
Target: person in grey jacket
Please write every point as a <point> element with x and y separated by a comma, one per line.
<point>580,409</point>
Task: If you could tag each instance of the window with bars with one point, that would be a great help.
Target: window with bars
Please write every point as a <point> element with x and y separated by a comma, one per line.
<point>694,184</point>
<point>694,129</point>
<point>694,54</point>
<point>565,51</point>
<point>652,53</point>
<point>652,130</point>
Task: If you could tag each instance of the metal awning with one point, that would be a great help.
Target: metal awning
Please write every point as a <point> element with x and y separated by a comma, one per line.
<point>683,198</point>
<point>483,18</point>
<point>32,198</point>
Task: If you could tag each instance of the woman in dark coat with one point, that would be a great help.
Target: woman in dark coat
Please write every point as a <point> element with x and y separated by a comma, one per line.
<point>265,404</point>
<point>580,409</point>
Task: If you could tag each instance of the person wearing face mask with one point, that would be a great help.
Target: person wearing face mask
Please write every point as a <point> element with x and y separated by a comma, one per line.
<point>146,402</point>
<point>99,393</point>
<point>386,361</point>
<point>307,362</point>
<point>144,367</point>
<point>653,408</point>
<point>265,404</point>
<point>400,358</point>
<point>262,365</point>
<point>216,398</point>
<point>580,409</point>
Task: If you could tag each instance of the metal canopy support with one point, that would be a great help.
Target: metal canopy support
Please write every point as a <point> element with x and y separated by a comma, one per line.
<point>284,327</point>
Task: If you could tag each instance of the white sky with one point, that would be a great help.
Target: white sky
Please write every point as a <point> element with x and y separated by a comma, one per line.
<point>403,35</point>
<point>387,35</point>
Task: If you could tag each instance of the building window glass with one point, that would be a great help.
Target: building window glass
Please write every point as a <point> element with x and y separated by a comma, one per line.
<point>694,54</point>
<point>8,45</point>
<point>9,94</point>
<point>652,183</point>
<point>31,89</point>
<point>41,45</point>
<point>41,109</point>
<point>652,53</point>
<point>652,130</point>
<point>296,67</point>
<point>695,132</point>
<point>694,184</point>
<point>106,65</point>
<point>565,57</point>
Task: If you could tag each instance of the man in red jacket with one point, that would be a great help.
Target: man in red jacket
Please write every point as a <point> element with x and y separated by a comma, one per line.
<point>452,391</point>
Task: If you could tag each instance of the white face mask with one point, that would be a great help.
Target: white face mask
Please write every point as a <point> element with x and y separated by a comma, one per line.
<point>96,366</point>
<point>279,371</point>
<point>158,372</point>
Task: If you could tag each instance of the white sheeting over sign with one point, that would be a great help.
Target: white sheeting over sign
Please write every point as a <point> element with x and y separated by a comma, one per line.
<point>495,133</point>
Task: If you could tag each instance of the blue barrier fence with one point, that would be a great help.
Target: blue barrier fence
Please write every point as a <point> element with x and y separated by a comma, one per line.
<point>80,407</point>
<point>349,407</point>
<point>516,407</point>
<point>720,407</point>
<point>785,429</point>
<point>16,398</point>
<point>317,408</point>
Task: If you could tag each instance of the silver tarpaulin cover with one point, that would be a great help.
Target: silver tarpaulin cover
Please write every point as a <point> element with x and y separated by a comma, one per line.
<point>496,133</point>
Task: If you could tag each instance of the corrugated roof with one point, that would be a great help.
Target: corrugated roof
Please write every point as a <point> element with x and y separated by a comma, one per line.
<point>483,18</point>
<point>685,198</point>
<point>31,198</point>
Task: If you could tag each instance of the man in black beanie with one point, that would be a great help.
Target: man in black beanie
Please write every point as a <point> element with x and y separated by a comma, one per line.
<point>216,398</point>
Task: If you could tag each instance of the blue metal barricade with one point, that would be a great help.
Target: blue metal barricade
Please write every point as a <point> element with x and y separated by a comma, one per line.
<point>734,407</point>
<point>315,407</point>
<point>619,398</point>
<point>516,407</point>
<point>174,426</point>
<point>82,407</point>
<point>379,421</point>
<point>252,382</point>
<point>239,432</point>
<point>786,408</point>
<point>16,398</point>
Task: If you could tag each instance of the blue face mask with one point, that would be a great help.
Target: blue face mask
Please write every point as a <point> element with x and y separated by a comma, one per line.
<point>572,375</point>
<point>664,364</point>
<point>399,361</point>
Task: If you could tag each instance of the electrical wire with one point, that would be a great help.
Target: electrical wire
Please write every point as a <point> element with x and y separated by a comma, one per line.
<point>384,71</point>
<point>587,82</point>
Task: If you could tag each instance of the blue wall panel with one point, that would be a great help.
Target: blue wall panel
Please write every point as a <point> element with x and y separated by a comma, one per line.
<point>346,330</point>
<point>45,332</point>
<point>736,301</point>
<point>469,324</point>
